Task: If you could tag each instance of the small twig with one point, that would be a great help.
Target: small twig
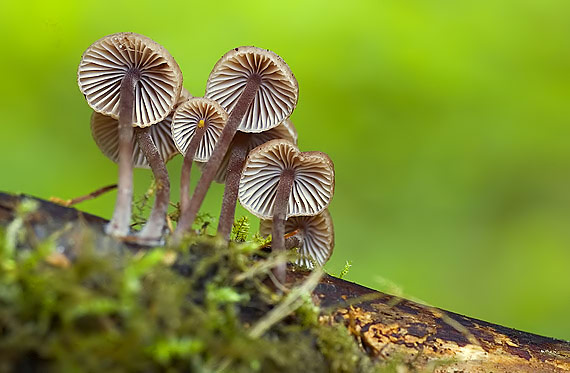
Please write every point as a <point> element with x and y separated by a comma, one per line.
<point>92,195</point>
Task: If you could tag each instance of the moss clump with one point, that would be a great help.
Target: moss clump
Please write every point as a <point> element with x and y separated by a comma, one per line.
<point>202,308</point>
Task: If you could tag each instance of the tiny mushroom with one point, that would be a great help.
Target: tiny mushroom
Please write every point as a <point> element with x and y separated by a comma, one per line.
<point>313,235</point>
<point>130,77</point>
<point>105,132</point>
<point>279,181</point>
<point>258,90</point>
<point>232,165</point>
<point>196,127</point>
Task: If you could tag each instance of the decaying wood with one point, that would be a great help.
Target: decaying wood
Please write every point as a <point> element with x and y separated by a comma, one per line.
<point>385,326</point>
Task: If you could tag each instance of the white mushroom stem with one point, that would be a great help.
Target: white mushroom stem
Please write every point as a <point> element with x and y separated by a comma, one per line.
<point>282,194</point>
<point>152,231</point>
<point>186,172</point>
<point>120,222</point>
<point>235,166</point>
<point>209,172</point>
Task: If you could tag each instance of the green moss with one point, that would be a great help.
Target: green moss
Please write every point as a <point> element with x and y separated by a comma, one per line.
<point>202,308</point>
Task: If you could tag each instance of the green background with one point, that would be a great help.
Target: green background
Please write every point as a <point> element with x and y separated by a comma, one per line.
<point>448,122</point>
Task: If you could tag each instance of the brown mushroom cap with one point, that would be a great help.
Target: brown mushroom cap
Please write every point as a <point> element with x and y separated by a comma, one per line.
<point>313,185</point>
<point>276,97</point>
<point>105,63</point>
<point>105,132</point>
<point>285,130</point>
<point>318,237</point>
<point>186,120</point>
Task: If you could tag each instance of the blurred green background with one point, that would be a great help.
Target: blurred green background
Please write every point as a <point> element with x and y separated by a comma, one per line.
<point>448,122</point>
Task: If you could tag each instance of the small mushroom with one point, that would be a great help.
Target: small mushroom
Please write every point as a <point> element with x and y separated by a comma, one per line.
<point>258,90</point>
<point>130,77</point>
<point>196,127</point>
<point>232,165</point>
<point>313,235</point>
<point>279,181</point>
<point>105,132</point>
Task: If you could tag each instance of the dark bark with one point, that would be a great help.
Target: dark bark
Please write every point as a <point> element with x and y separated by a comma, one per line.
<point>384,325</point>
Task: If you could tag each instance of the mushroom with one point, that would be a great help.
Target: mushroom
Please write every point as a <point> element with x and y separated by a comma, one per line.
<point>278,181</point>
<point>232,165</point>
<point>313,235</point>
<point>134,79</point>
<point>105,132</point>
<point>196,127</point>
<point>259,91</point>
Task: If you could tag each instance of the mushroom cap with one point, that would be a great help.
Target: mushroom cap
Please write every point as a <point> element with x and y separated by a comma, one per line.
<point>276,97</point>
<point>313,183</point>
<point>105,63</point>
<point>285,130</point>
<point>186,120</point>
<point>318,236</point>
<point>105,132</point>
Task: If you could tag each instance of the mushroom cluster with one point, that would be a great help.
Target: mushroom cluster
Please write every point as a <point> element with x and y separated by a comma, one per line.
<point>239,133</point>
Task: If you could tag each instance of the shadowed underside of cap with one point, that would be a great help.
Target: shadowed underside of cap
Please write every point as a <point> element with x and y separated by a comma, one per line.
<point>107,61</point>
<point>276,97</point>
<point>313,184</point>
<point>318,236</point>
<point>186,120</point>
<point>105,132</point>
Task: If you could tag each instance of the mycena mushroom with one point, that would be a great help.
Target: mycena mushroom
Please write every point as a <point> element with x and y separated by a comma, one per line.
<point>313,235</point>
<point>105,132</point>
<point>258,90</point>
<point>196,127</point>
<point>130,77</point>
<point>279,181</point>
<point>232,165</point>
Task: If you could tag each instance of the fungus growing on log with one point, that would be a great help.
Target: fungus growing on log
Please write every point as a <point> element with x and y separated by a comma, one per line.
<point>130,77</point>
<point>232,166</point>
<point>313,235</point>
<point>279,181</point>
<point>259,91</point>
<point>105,133</point>
<point>196,127</point>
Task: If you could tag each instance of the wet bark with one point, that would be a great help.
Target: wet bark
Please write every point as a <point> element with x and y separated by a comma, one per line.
<point>384,325</point>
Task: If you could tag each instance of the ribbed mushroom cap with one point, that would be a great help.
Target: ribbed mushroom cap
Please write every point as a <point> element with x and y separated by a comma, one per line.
<point>313,184</point>
<point>105,63</point>
<point>105,132</point>
<point>318,236</point>
<point>186,120</point>
<point>285,130</point>
<point>276,97</point>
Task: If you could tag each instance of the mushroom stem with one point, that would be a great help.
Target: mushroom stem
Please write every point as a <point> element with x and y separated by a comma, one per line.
<point>119,224</point>
<point>185,175</point>
<point>234,120</point>
<point>282,194</point>
<point>235,166</point>
<point>153,229</point>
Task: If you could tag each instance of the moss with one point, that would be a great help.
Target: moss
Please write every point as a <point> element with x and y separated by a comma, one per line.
<point>200,307</point>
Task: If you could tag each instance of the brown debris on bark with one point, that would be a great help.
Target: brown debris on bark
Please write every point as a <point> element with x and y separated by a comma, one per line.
<point>385,326</point>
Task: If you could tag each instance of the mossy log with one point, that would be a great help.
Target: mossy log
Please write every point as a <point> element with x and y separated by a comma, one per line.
<point>384,326</point>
